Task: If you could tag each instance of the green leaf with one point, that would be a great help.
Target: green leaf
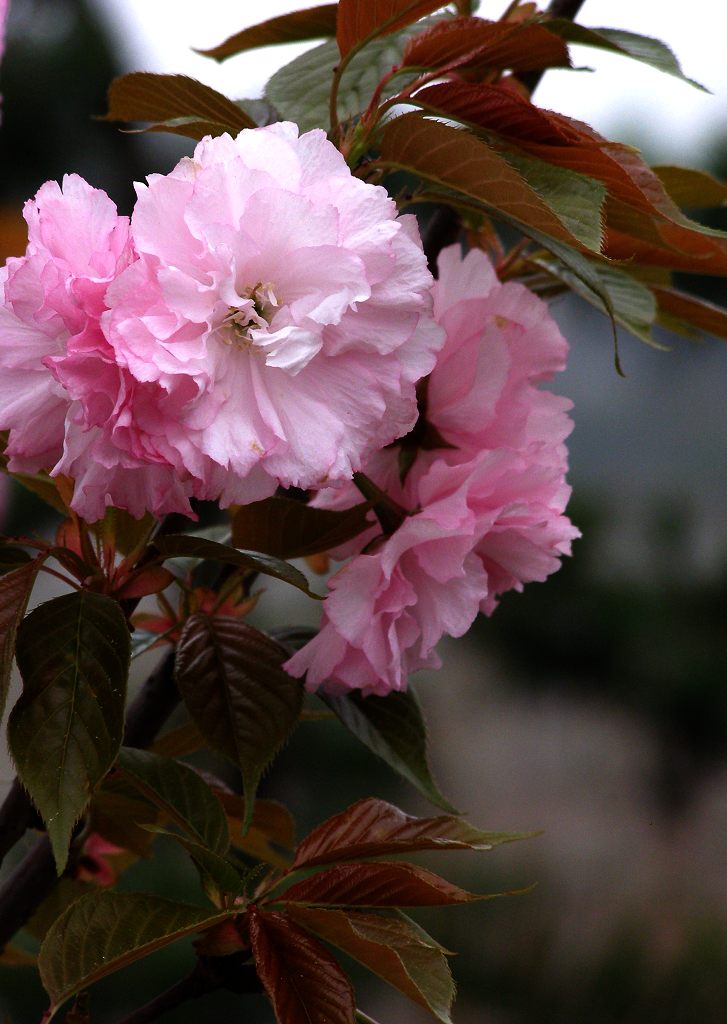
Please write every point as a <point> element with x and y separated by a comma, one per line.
<point>183,546</point>
<point>218,875</point>
<point>15,590</point>
<point>456,159</point>
<point>242,701</point>
<point>576,198</point>
<point>393,728</point>
<point>178,791</point>
<point>260,110</point>
<point>632,303</point>
<point>65,731</point>
<point>393,948</point>
<point>375,828</point>
<point>296,27</point>
<point>302,980</point>
<point>120,814</point>
<point>289,529</point>
<point>300,91</point>
<point>180,104</point>
<point>642,48</point>
<point>104,931</point>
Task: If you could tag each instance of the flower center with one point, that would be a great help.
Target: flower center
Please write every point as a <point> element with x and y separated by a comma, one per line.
<point>254,314</point>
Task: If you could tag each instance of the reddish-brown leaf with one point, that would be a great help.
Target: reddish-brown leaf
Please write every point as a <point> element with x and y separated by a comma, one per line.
<point>457,160</point>
<point>144,96</point>
<point>237,693</point>
<point>378,884</point>
<point>393,948</point>
<point>149,581</point>
<point>693,311</point>
<point>362,20</point>
<point>640,240</point>
<point>289,529</point>
<point>558,140</point>
<point>375,828</point>
<point>303,981</point>
<point>499,108</point>
<point>296,27</point>
<point>476,42</point>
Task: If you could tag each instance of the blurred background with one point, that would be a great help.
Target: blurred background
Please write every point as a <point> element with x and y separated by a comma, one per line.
<point>594,708</point>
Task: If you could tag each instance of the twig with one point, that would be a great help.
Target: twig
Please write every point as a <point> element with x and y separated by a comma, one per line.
<point>17,815</point>
<point>210,974</point>
<point>195,985</point>
<point>153,705</point>
<point>556,9</point>
<point>26,888</point>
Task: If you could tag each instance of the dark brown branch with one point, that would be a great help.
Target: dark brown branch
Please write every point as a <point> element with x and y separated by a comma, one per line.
<point>195,985</point>
<point>210,974</point>
<point>26,888</point>
<point>556,9</point>
<point>17,815</point>
<point>153,705</point>
<point>442,229</point>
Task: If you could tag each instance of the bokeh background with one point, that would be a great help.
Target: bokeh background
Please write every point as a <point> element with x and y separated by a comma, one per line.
<point>595,707</point>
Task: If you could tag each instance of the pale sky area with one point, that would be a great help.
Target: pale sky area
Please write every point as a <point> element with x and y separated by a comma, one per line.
<point>673,117</point>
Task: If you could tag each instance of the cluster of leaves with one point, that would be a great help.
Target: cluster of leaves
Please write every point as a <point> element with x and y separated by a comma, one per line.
<point>333,886</point>
<point>103,804</point>
<point>593,216</point>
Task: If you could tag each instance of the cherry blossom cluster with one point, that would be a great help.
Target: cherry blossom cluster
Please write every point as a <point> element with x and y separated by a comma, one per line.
<point>266,319</point>
<point>485,494</point>
<point>262,321</point>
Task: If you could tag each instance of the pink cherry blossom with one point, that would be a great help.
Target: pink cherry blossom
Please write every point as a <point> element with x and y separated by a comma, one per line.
<point>487,504</point>
<point>281,307</point>
<point>68,406</point>
<point>484,526</point>
<point>501,344</point>
<point>52,296</point>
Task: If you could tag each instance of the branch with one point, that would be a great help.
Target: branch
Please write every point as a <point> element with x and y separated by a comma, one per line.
<point>26,888</point>
<point>17,815</point>
<point>556,9</point>
<point>210,974</point>
<point>152,705</point>
<point>195,985</point>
